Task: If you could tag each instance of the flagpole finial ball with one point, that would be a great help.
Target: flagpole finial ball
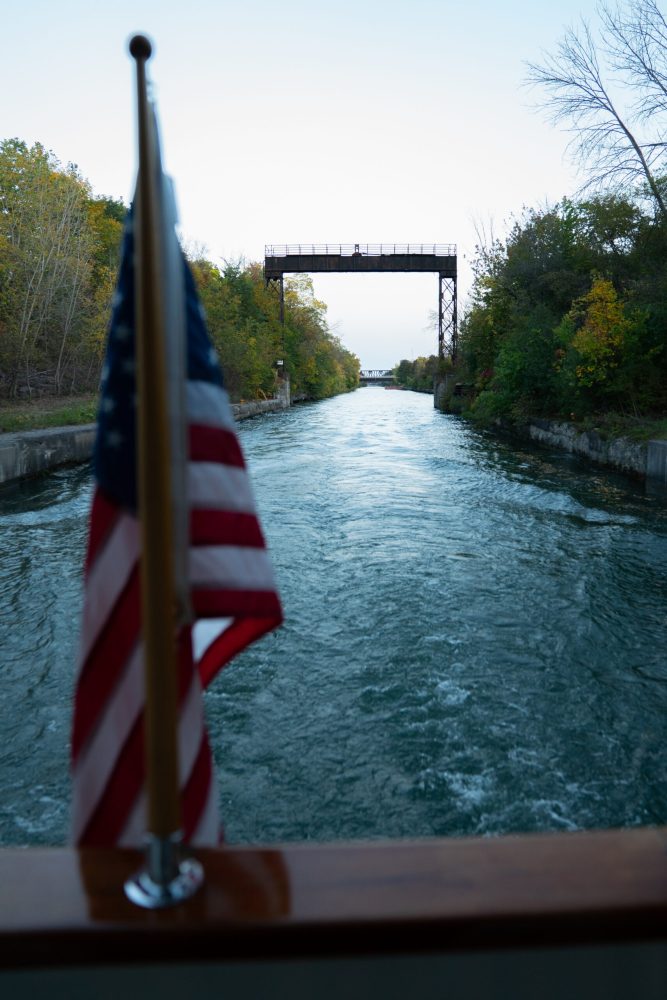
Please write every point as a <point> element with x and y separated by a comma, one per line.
<point>140,47</point>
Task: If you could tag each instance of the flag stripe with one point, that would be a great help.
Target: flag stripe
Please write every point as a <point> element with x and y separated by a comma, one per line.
<point>103,517</point>
<point>107,578</point>
<point>211,602</point>
<point>219,487</point>
<point>230,566</point>
<point>208,403</point>
<point>230,642</point>
<point>105,821</point>
<point>196,791</point>
<point>109,790</point>
<point>214,444</point>
<point>106,663</point>
<point>94,764</point>
<point>221,527</point>
<point>134,829</point>
<point>208,829</point>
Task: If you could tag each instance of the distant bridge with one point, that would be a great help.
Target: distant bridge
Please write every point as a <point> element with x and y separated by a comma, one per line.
<point>377,376</point>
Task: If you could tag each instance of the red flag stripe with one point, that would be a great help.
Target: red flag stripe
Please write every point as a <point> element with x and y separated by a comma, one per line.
<point>106,662</point>
<point>103,518</point>
<point>113,807</point>
<point>212,602</point>
<point>107,578</point>
<point>220,527</point>
<point>196,791</point>
<point>97,756</point>
<point>214,444</point>
<point>115,800</point>
<point>230,642</point>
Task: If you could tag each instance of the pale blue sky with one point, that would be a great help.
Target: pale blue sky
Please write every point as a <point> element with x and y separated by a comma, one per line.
<point>299,122</point>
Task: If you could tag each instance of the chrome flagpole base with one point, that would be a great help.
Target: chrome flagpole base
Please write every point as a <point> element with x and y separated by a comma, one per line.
<point>168,878</point>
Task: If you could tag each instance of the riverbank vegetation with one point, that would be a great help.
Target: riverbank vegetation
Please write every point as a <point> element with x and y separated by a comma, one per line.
<point>419,374</point>
<point>47,411</point>
<point>568,313</point>
<point>243,316</point>
<point>59,252</point>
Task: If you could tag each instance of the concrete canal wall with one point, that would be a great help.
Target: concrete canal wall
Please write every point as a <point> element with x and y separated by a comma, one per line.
<point>640,459</point>
<point>619,453</point>
<point>644,460</point>
<point>656,462</point>
<point>27,453</point>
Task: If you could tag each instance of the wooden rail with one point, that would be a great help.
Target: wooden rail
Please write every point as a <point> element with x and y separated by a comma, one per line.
<point>60,907</point>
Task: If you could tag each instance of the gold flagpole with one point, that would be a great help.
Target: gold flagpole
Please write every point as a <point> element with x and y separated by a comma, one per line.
<point>167,878</point>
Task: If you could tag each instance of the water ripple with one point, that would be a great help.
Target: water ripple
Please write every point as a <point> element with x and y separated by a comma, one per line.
<point>474,637</point>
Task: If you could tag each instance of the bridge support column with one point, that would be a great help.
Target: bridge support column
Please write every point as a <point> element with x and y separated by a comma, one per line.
<point>281,292</point>
<point>283,388</point>
<point>441,387</point>
<point>447,318</point>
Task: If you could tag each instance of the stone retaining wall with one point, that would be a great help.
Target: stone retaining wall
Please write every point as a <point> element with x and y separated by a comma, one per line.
<point>656,462</point>
<point>27,453</point>
<point>619,453</point>
<point>242,411</point>
<point>643,460</point>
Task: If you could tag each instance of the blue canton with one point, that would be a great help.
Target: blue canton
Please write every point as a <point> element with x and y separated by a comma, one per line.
<point>115,446</point>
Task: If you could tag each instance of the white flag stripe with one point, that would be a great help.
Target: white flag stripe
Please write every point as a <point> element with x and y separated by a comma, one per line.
<point>97,759</point>
<point>190,729</point>
<point>212,486</point>
<point>208,404</point>
<point>205,631</point>
<point>190,735</point>
<point>228,566</point>
<point>208,828</point>
<point>107,578</point>
<point>134,831</point>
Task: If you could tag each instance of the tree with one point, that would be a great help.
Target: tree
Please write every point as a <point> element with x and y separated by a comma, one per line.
<point>569,313</point>
<point>403,371</point>
<point>243,317</point>
<point>46,257</point>
<point>581,91</point>
<point>637,41</point>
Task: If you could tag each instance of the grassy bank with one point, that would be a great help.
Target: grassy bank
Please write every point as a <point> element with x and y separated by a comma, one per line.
<point>48,411</point>
<point>615,425</point>
<point>608,425</point>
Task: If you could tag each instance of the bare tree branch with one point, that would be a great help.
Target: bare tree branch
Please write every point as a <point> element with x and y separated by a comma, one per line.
<point>578,95</point>
<point>637,47</point>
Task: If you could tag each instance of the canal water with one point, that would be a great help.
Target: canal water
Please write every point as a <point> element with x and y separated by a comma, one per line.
<point>474,638</point>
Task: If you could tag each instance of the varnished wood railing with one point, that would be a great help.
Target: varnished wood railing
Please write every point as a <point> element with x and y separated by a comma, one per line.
<point>63,907</point>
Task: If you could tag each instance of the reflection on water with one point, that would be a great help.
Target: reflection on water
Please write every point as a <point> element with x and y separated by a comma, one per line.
<point>473,638</point>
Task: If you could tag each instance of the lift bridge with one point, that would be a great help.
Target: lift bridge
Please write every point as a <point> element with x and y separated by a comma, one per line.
<point>360,258</point>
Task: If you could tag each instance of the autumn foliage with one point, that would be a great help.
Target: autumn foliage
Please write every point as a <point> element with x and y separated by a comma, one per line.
<point>59,251</point>
<point>569,314</point>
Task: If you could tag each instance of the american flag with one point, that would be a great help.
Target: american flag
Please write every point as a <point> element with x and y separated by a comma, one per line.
<point>230,585</point>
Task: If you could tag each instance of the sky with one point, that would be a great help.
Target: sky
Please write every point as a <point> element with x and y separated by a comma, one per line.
<point>307,122</point>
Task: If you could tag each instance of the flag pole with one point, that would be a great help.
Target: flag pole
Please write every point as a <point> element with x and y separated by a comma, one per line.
<point>168,877</point>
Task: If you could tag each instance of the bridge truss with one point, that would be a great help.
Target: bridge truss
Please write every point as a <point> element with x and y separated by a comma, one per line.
<point>376,376</point>
<point>364,258</point>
